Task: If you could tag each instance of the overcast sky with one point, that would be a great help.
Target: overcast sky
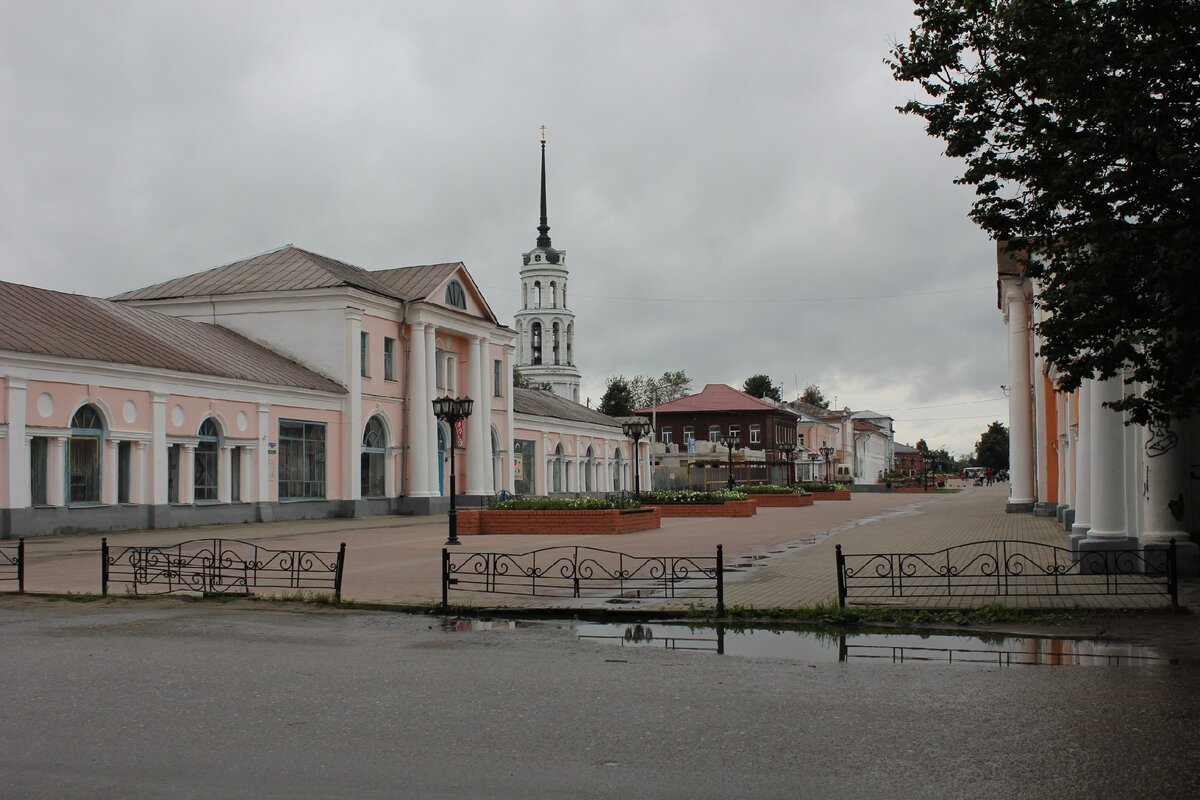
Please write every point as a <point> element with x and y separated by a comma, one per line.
<point>732,184</point>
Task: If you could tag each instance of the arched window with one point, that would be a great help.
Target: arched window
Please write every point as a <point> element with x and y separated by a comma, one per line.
<point>559,461</point>
<point>374,455</point>
<point>83,456</point>
<point>537,294</point>
<point>555,342</point>
<point>564,292</point>
<point>535,342</point>
<point>208,448</point>
<point>618,471</point>
<point>553,294</point>
<point>588,470</point>
<point>570,341</point>
<point>455,296</point>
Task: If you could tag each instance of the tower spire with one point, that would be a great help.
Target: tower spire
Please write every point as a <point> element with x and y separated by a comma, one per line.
<point>543,239</point>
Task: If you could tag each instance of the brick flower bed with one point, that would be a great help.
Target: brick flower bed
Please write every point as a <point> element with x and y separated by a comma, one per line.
<point>730,508</point>
<point>783,500</point>
<point>483,522</point>
<point>839,494</point>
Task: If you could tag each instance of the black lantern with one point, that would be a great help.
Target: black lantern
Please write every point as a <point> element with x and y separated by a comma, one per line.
<point>787,449</point>
<point>636,429</point>
<point>827,451</point>
<point>730,442</point>
<point>450,410</point>
<point>812,470</point>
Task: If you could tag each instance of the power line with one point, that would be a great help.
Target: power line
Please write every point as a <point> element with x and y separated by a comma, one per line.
<point>765,300</point>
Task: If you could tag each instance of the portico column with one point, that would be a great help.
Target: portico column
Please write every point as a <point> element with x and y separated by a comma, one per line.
<point>389,472</point>
<point>1108,466</point>
<point>432,465</point>
<point>352,414</point>
<point>476,456</point>
<point>56,494</point>
<point>109,473</point>
<point>1082,503</point>
<point>224,474</point>
<point>158,449</point>
<point>17,472</point>
<point>1020,401</point>
<point>483,408</point>
<point>262,473</point>
<point>187,473</point>
<point>419,479</point>
<point>1166,488</point>
<point>139,493</point>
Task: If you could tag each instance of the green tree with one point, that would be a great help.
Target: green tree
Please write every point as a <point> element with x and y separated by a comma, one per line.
<point>519,380</point>
<point>671,386</point>
<point>991,451</point>
<point>761,386</point>
<point>813,396</point>
<point>618,398</point>
<point>1077,124</point>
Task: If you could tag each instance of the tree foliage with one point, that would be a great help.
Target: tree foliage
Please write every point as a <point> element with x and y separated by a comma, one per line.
<point>1077,124</point>
<point>813,396</point>
<point>648,391</point>
<point>762,386</point>
<point>991,450</point>
<point>618,398</point>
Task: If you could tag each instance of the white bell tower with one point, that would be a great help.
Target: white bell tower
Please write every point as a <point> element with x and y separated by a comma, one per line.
<point>545,325</point>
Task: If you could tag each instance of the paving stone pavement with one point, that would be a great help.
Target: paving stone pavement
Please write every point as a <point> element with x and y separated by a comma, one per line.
<point>790,552</point>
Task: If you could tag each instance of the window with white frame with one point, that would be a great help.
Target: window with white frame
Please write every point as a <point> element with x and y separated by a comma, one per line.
<point>714,433</point>
<point>755,434</point>
<point>497,372</point>
<point>665,433</point>
<point>389,359</point>
<point>735,431</point>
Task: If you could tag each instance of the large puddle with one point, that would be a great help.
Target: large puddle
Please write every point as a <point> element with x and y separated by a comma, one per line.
<point>874,648</point>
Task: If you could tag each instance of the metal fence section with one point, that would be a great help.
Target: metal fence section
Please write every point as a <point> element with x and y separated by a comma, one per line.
<point>585,573</point>
<point>1006,568</point>
<point>12,565</point>
<point>220,566</point>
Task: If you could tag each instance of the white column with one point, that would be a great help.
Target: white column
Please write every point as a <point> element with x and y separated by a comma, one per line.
<point>1166,484</point>
<point>158,449</point>
<point>1108,462</point>
<point>1041,428</point>
<point>477,455</point>
<point>420,481</point>
<point>262,469</point>
<point>389,472</point>
<point>245,475</point>
<point>187,473</point>
<point>483,407</point>
<point>224,474</point>
<point>1020,405</point>
<point>352,414</point>
<point>1082,502</point>
<point>56,490</point>
<point>140,491</point>
<point>17,472</point>
<point>1066,453</point>
<point>108,480</point>
<point>432,465</point>
<point>510,480</point>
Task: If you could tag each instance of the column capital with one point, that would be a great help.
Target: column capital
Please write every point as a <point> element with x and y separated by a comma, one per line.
<point>158,398</point>
<point>16,382</point>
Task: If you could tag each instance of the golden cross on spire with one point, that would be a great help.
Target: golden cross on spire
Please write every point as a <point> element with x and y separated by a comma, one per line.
<point>543,134</point>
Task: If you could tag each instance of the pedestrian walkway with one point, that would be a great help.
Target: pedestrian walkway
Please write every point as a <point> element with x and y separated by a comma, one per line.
<point>780,558</point>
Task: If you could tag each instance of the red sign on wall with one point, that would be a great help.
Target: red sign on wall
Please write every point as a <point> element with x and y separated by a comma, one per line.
<point>460,433</point>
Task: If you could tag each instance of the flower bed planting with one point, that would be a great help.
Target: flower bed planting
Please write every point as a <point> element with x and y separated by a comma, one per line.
<point>688,503</point>
<point>826,491</point>
<point>774,496</point>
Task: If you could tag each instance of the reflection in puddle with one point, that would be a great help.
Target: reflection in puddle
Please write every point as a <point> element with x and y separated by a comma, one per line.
<point>460,625</point>
<point>818,646</point>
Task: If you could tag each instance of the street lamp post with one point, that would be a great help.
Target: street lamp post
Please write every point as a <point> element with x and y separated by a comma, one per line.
<point>812,469</point>
<point>925,462</point>
<point>450,410</point>
<point>787,449</point>
<point>730,442</point>
<point>827,451</point>
<point>636,429</point>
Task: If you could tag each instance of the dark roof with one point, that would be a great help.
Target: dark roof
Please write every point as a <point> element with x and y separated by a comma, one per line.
<point>286,269</point>
<point>51,323</point>
<point>540,403</point>
<point>415,283</point>
<point>718,397</point>
<point>900,447</point>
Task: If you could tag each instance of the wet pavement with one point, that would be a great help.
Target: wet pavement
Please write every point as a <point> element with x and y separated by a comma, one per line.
<point>242,700</point>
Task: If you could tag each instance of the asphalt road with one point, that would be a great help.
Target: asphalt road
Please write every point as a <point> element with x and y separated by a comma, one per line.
<point>225,700</point>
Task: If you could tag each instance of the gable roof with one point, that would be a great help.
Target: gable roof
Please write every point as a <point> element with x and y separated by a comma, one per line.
<point>718,397</point>
<point>287,269</point>
<point>420,282</point>
<point>540,403</point>
<point>870,415</point>
<point>50,323</point>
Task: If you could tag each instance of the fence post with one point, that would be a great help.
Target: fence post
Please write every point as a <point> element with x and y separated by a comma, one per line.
<point>21,565</point>
<point>841,576</point>
<point>1172,576</point>
<point>721,588</point>
<point>445,580</point>
<point>104,566</point>
<point>337,578</point>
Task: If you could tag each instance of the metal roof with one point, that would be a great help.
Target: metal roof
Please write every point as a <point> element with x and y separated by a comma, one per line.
<point>718,397</point>
<point>541,403</point>
<point>45,322</point>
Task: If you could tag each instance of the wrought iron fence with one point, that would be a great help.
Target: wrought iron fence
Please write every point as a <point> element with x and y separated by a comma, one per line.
<point>1006,568</point>
<point>12,565</point>
<point>585,572</point>
<point>220,566</point>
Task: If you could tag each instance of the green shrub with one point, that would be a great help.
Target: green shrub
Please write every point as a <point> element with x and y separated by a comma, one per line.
<point>562,504</point>
<point>690,496</point>
<point>770,489</point>
<point>818,486</point>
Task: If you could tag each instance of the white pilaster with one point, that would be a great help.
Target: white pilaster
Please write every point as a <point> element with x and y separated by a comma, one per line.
<point>262,469</point>
<point>108,480</point>
<point>187,473</point>
<point>483,407</point>
<point>225,473</point>
<point>477,455</point>
<point>433,467</point>
<point>1107,462</point>
<point>139,492</point>
<point>158,449</point>
<point>1020,405</point>
<point>56,489</point>
<point>17,472</point>
<point>420,480</point>
<point>352,429</point>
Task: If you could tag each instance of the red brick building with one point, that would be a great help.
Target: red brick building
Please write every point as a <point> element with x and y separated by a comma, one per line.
<point>719,411</point>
